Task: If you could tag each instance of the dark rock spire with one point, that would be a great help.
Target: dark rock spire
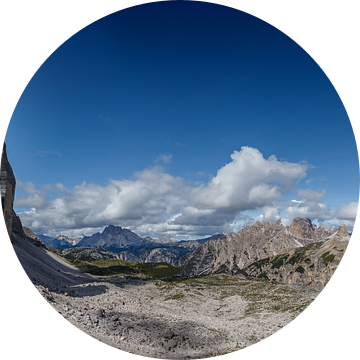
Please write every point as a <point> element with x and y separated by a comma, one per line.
<point>7,188</point>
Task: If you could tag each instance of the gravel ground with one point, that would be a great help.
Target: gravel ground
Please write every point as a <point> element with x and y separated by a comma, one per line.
<point>189,319</point>
<point>194,318</point>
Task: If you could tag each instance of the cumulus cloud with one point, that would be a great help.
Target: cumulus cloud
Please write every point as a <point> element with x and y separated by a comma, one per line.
<point>152,197</point>
<point>272,213</point>
<point>32,197</point>
<point>347,211</point>
<point>156,203</point>
<point>247,182</point>
<point>310,205</point>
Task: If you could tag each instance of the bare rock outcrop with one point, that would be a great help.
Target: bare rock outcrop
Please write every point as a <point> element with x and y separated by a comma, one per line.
<point>343,231</point>
<point>7,188</point>
<point>303,228</point>
<point>235,252</point>
<point>12,221</point>
<point>311,265</point>
<point>32,237</point>
<point>17,227</point>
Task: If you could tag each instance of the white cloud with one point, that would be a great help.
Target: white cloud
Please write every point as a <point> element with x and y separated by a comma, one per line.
<point>347,211</point>
<point>32,197</point>
<point>164,158</point>
<point>335,223</point>
<point>272,213</point>
<point>309,206</point>
<point>153,196</point>
<point>247,182</point>
<point>156,203</point>
<point>312,207</point>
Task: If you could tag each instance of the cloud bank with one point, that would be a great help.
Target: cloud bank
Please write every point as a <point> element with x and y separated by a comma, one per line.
<point>156,203</point>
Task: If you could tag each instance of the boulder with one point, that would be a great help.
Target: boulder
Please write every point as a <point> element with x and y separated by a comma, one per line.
<point>168,334</point>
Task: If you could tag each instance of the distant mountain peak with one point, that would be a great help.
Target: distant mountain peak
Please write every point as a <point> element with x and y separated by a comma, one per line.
<point>112,229</point>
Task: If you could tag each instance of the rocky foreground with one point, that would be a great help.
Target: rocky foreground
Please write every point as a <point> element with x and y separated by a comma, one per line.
<point>189,318</point>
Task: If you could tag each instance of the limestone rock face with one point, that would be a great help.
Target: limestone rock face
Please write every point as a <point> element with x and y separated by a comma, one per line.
<point>311,265</point>
<point>343,231</point>
<point>12,221</point>
<point>234,252</point>
<point>31,236</point>
<point>321,232</point>
<point>17,226</point>
<point>303,228</point>
<point>7,187</point>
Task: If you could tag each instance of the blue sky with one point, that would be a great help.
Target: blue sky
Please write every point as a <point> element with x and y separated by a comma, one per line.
<point>166,118</point>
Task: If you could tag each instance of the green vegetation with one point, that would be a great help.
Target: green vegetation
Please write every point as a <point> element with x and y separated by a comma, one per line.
<point>52,248</point>
<point>86,259</point>
<point>301,254</point>
<point>124,268</point>
<point>263,276</point>
<point>258,295</point>
<point>278,261</point>
<point>327,258</point>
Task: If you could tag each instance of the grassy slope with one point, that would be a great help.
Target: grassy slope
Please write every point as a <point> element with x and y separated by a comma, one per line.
<point>115,267</point>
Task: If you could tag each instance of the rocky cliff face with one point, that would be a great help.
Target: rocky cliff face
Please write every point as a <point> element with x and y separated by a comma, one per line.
<point>12,221</point>
<point>235,252</point>
<point>32,237</point>
<point>311,265</point>
<point>7,188</point>
<point>343,231</point>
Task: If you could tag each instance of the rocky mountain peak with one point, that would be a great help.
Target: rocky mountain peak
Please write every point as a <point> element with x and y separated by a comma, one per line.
<point>7,188</point>
<point>343,231</point>
<point>3,152</point>
<point>113,237</point>
<point>113,230</point>
<point>302,228</point>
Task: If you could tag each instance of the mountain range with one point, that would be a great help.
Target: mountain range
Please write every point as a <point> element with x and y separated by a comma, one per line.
<point>300,254</point>
<point>234,252</point>
<point>129,245</point>
<point>112,237</point>
<point>61,241</point>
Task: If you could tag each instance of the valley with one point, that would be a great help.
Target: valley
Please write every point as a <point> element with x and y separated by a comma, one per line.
<point>178,300</point>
